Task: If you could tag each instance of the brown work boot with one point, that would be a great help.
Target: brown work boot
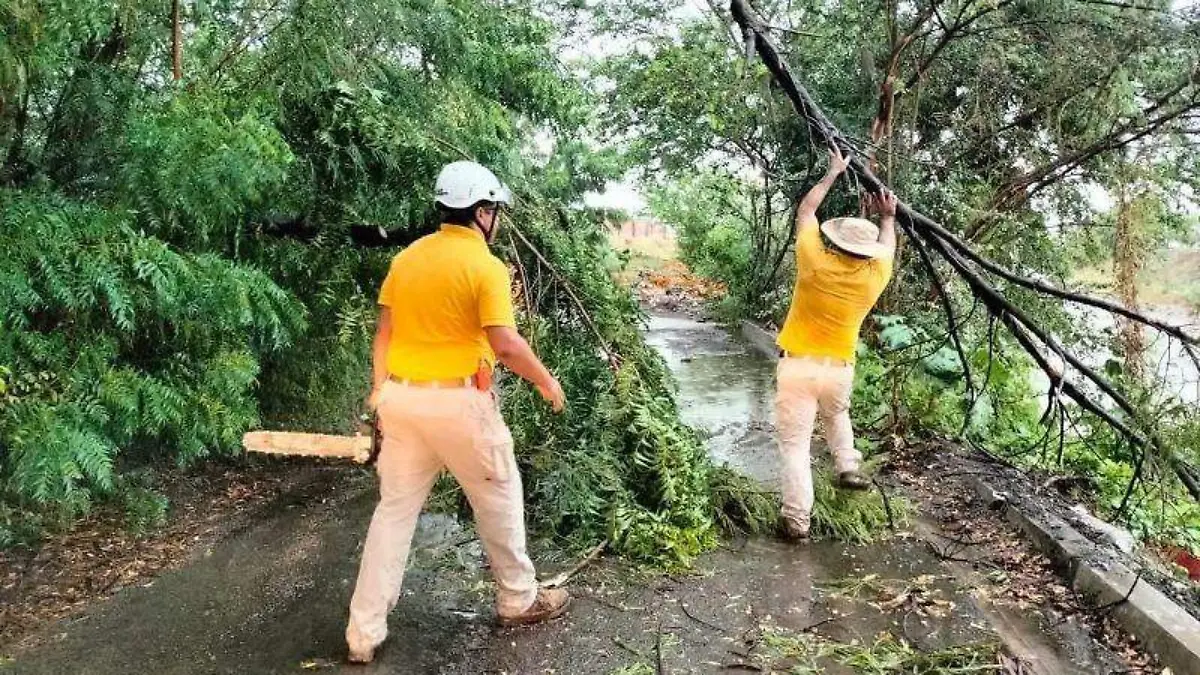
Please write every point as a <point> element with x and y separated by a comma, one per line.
<point>361,656</point>
<point>550,603</point>
<point>853,480</point>
<point>795,531</point>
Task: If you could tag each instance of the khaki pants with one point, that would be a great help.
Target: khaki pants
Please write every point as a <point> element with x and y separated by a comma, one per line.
<point>424,431</point>
<point>806,386</point>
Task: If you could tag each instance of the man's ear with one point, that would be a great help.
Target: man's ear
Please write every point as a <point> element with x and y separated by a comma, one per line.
<point>482,210</point>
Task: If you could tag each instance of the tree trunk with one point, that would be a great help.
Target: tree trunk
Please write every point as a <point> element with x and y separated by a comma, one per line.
<point>176,42</point>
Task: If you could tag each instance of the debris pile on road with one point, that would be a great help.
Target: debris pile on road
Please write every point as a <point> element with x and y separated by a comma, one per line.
<point>674,288</point>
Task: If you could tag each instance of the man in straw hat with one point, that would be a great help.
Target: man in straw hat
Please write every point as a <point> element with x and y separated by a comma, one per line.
<point>842,266</point>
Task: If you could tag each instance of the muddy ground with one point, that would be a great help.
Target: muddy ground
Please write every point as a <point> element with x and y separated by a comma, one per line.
<point>103,554</point>
<point>271,597</point>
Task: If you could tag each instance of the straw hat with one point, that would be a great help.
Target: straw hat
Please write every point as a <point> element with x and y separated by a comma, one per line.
<point>855,235</point>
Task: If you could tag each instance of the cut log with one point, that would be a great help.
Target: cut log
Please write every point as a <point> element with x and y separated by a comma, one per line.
<point>357,448</point>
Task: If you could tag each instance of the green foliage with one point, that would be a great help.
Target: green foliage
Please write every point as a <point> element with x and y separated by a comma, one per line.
<point>714,217</point>
<point>742,505</point>
<point>144,508</point>
<point>185,260</point>
<point>180,259</point>
<point>20,527</point>
<point>1157,225</point>
<point>854,517</point>
<point>120,339</point>
<point>1158,509</point>
<point>618,464</point>
<point>1007,102</point>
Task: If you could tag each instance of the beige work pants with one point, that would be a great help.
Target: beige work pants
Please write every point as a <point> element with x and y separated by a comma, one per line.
<point>805,387</point>
<point>424,431</point>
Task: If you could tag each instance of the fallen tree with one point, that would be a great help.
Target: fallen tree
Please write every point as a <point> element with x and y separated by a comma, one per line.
<point>1110,404</point>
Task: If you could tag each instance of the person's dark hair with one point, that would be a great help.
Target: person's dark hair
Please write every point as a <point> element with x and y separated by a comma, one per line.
<point>463,216</point>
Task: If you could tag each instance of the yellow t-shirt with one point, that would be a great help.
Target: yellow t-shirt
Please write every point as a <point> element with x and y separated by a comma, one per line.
<point>833,294</point>
<point>443,291</point>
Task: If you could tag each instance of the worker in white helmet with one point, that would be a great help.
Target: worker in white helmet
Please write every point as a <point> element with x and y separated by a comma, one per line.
<point>446,317</point>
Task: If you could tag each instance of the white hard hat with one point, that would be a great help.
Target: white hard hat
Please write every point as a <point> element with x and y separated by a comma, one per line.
<point>464,184</point>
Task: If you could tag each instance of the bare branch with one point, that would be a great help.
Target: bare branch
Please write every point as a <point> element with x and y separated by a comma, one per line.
<point>952,323</point>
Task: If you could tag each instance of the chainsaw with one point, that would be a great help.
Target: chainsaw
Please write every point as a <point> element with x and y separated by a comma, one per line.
<point>362,447</point>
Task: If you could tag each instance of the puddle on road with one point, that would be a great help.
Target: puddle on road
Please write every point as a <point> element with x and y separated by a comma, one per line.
<point>726,391</point>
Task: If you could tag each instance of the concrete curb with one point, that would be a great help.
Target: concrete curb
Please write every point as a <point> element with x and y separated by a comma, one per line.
<point>1164,627</point>
<point>761,339</point>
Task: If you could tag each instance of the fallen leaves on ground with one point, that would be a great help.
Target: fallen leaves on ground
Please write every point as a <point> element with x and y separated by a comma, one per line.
<point>1017,574</point>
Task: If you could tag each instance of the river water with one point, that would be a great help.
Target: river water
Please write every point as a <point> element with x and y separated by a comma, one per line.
<point>1166,359</point>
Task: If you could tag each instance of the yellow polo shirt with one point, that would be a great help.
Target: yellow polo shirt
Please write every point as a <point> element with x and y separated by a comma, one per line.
<point>443,291</point>
<point>832,297</point>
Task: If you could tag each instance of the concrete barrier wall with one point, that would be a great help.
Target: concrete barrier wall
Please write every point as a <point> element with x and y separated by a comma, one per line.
<point>761,339</point>
<point>1163,627</point>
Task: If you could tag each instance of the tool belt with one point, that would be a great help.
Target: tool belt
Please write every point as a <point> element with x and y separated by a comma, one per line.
<point>451,383</point>
<point>821,360</point>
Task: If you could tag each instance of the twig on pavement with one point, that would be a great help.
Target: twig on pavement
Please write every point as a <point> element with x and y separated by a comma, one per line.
<point>698,620</point>
<point>562,578</point>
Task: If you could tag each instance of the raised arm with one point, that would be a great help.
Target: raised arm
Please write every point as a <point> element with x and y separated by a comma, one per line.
<point>807,211</point>
<point>885,204</point>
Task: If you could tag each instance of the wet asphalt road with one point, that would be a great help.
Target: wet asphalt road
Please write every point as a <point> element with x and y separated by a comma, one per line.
<point>272,598</point>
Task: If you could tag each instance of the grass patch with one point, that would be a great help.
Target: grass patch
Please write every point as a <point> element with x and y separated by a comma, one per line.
<point>887,655</point>
<point>638,255</point>
<point>744,507</point>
